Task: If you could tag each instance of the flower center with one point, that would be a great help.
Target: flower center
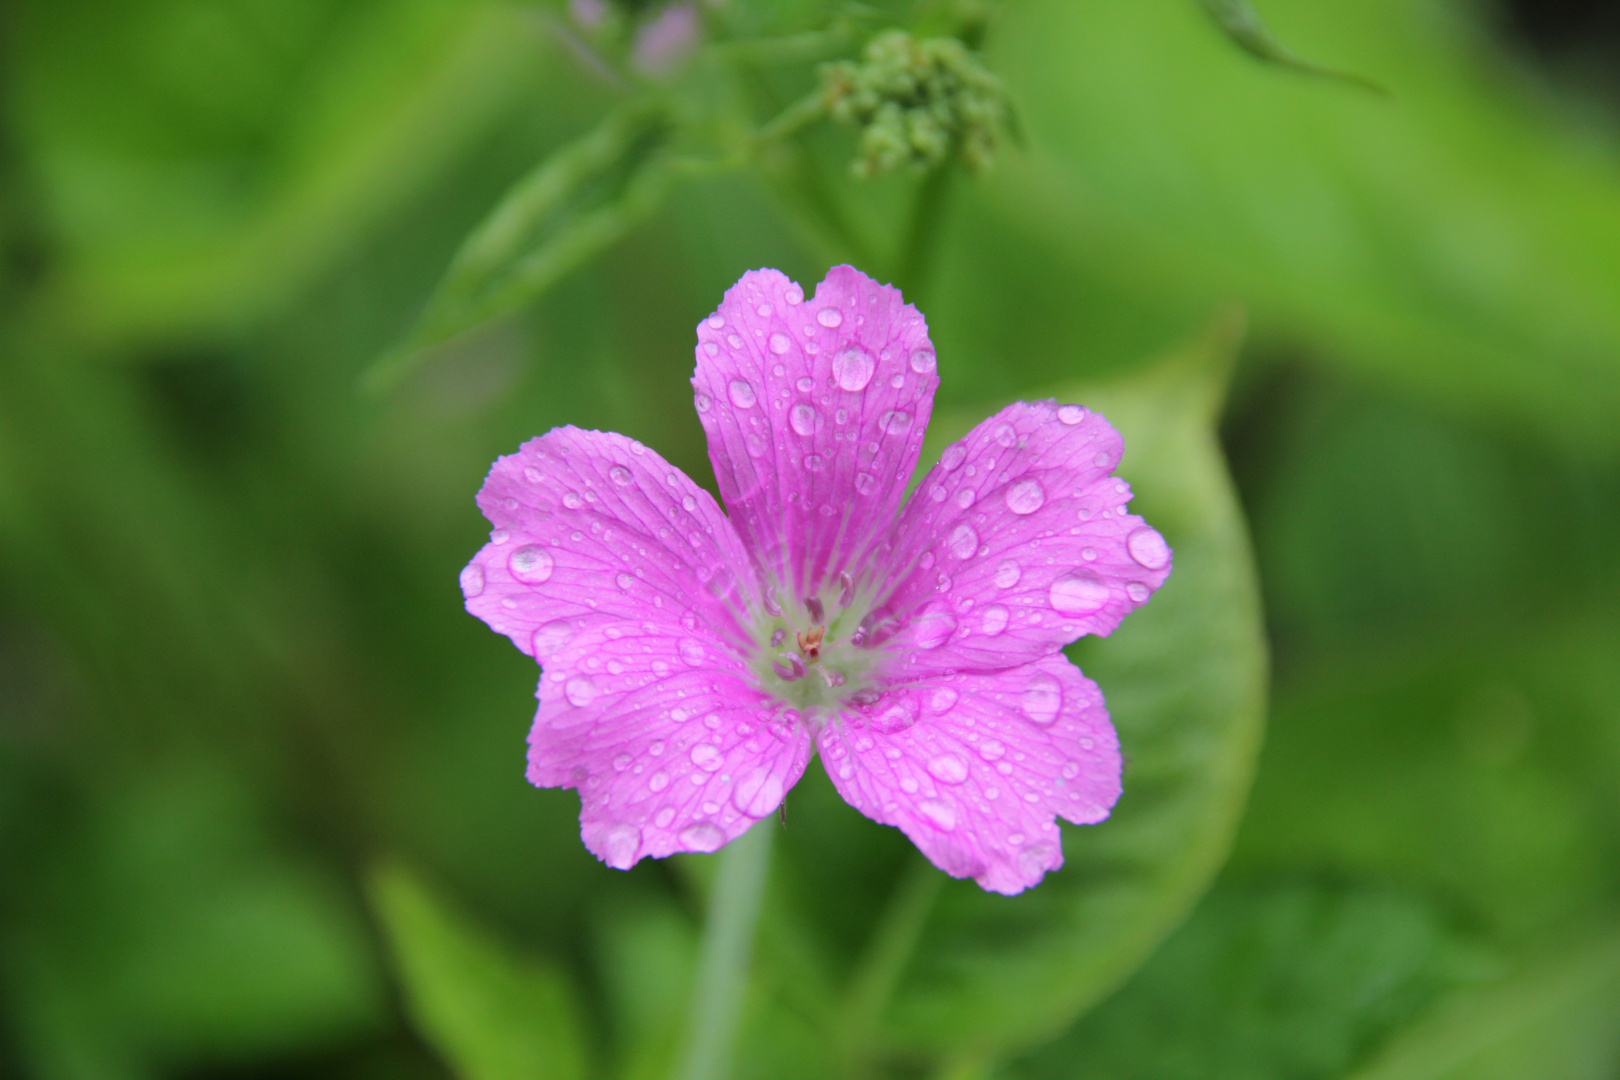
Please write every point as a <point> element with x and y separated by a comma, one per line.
<point>818,651</point>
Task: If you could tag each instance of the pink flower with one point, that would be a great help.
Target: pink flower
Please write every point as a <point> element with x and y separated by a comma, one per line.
<point>692,660</point>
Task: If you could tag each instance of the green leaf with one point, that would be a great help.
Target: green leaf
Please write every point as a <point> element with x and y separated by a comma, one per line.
<point>491,1015</point>
<point>1185,680</point>
<point>1242,23</point>
<point>574,205</point>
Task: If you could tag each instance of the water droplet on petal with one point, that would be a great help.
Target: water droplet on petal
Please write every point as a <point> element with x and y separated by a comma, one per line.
<point>551,637</point>
<point>802,418</point>
<point>1005,436</point>
<point>1078,593</point>
<point>580,691</point>
<point>1071,414</point>
<point>894,421</point>
<point>716,321</point>
<point>1042,698</point>
<point>1034,860</point>
<point>1071,769</point>
<point>814,462</point>
<point>942,700</point>
<point>530,564</point>
<point>830,317</point>
<point>765,311</point>
<point>692,652</point>
<point>852,368</point>
<point>964,541</point>
<point>620,844</point>
<point>624,580</point>
<point>780,343</point>
<point>793,294</point>
<point>734,341</point>
<point>472,580</point>
<point>758,793</point>
<point>995,620</point>
<point>1148,547</point>
<point>964,498</point>
<point>532,475</point>
<point>703,836</point>
<point>992,750</point>
<point>664,817</point>
<point>755,444</point>
<point>1026,497</point>
<point>805,384</point>
<point>707,757</point>
<point>658,781</point>
<point>1007,575</point>
<point>899,714</point>
<point>620,475</point>
<point>922,361</point>
<point>621,763</point>
<point>1102,460</point>
<point>941,814</point>
<point>952,458</point>
<point>702,402</point>
<point>1138,592</point>
<point>933,626</point>
<point>948,769</point>
<point>863,483</point>
<point>741,392</point>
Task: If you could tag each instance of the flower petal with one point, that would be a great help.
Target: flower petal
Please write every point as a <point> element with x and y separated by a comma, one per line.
<point>593,526</point>
<point>974,768</point>
<point>815,411</point>
<point>1017,542</point>
<point>666,738</point>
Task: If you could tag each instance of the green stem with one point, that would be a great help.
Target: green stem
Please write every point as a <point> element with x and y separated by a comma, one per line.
<point>922,236</point>
<point>893,943</point>
<point>728,939</point>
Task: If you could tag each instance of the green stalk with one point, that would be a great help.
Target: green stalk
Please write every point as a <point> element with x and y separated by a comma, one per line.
<point>728,939</point>
<point>893,942</point>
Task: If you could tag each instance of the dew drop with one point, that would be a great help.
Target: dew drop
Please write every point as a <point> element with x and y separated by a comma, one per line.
<point>1026,497</point>
<point>1078,593</point>
<point>964,499</point>
<point>741,392</point>
<point>995,620</point>
<point>864,483</point>
<point>952,458</point>
<point>942,700</point>
<point>1071,769</point>
<point>711,348</point>
<point>532,475</point>
<point>852,368</point>
<point>894,421</point>
<point>802,418</point>
<point>830,317</point>
<point>948,769</point>
<point>964,541</point>
<point>805,384</point>
<point>1071,414</point>
<point>664,817</point>
<point>656,749</point>
<point>814,462</point>
<point>1041,699</point>
<point>621,763</point>
<point>620,475</point>
<point>758,793</point>
<point>780,343</point>
<point>658,781</point>
<point>580,691</point>
<point>755,444</point>
<point>933,626</point>
<point>692,652</point>
<point>734,341</point>
<point>940,814</point>
<point>1101,460</point>
<point>992,750</point>
<point>1007,575</point>
<point>1005,436</point>
<point>1034,860</point>
<point>530,564</point>
<point>551,637</point>
<point>1148,547</point>
<point>707,757</point>
<point>899,715</point>
<point>1138,592</point>
<point>472,580</point>
<point>716,321</point>
<point>1089,554</point>
<point>620,844</point>
<point>703,836</point>
<point>922,361</point>
<point>793,294</point>
<point>624,580</point>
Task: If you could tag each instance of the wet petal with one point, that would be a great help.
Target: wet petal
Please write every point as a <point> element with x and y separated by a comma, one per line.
<point>592,526</point>
<point>668,742</point>
<point>975,767</point>
<point>1019,540</point>
<point>815,410</point>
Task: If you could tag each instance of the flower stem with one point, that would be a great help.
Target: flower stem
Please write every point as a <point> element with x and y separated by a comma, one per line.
<point>922,234</point>
<point>893,942</point>
<point>728,939</point>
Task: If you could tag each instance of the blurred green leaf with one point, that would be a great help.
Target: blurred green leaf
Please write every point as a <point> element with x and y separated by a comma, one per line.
<point>1242,23</point>
<point>579,201</point>
<point>491,1014</point>
<point>1297,980</point>
<point>1185,680</point>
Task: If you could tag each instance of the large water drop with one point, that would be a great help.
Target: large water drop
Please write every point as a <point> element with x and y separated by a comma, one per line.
<point>530,564</point>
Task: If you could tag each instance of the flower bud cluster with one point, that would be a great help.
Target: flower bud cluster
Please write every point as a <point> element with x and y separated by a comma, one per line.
<point>916,102</point>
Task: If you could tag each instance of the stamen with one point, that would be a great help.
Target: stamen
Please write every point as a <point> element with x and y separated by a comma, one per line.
<point>846,589</point>
<point>789,667</point>
<point>863,631</point>
<point>777,637</point>
<point>818,614</point>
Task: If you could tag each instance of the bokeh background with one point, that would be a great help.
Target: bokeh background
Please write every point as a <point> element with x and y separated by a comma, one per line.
<point>262,807</point>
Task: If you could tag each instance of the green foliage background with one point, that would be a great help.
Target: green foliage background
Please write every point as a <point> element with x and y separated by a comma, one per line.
<point>262,807</point>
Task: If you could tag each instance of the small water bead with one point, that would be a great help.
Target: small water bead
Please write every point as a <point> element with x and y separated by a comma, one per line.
<point>964,541</point>
<point>1041,699</point>
<point>716,321</point>
<point>948,769</point>
<point>964,499</point>
<point>864,483</point>
<point>802,418</point>
<point>712,722</point>
<point>531,564</point>
<point>707,757</point>
<point>702,402</point>
<point>734,341</point>
<point>741,392</point>
<point>1148,548</point>
<point>1071,414</point>
<point>780,343</point>
<point>907,784</point>
<point>621,763</point>
<point>704,836</point>
<point>620,844</point>
<point>1089,554</point>
<point>1078,593</point>
<point>472,580</point>
<point>551,637</point>
<point>620,475</point>
<point>1007,575</point>
<point>499,536</point>
<point>933,627</point>
<point>693,652</point>
<point>664,817</point>
<point>830,317</point>
<point>900,714</point>
<point>1026,497</point>
<point>765,311</point>
<point>852,368</point>
<point>992,750</point>
<point>940,814</point>
<point>779,371</point>
<point>754,444</point>
<point>656,749</point>
<point>758,793</point>
<point>942,699</point>
<point>922,361</point>
<point>938,493</point>
<point>952,458</point>
<point>898,381</point>
<point>814,462</point>
<point>580,691</point>
<point>624,580</point>
<point>532,475</point>
<point>927,560</point>
<point>1138,592</point>
<point>995,619</point>
<point>1071,769</point>
<point>1102,460</point>
<point>1005,436</point>
<point>712,348</point>
<point>793,294</point>
<point>894,421</point>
